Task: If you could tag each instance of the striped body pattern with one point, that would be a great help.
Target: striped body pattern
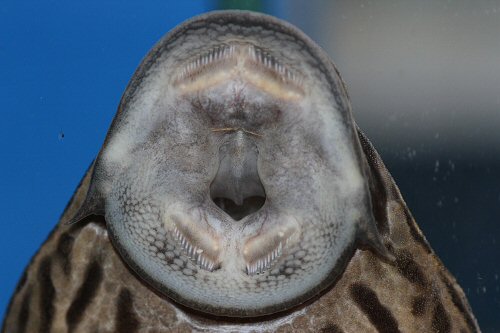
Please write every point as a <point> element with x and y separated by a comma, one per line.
<point>235,193</point>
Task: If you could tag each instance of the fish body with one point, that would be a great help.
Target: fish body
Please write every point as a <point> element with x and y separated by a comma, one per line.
<point>235,192</point>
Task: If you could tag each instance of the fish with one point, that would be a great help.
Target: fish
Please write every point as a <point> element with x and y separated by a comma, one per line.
<point>235,192</point>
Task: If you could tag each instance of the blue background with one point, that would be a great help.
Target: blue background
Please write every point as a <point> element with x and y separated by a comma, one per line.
<point>63,68</point>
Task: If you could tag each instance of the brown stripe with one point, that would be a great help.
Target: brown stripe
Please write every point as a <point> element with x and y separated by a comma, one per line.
<point>126,319</point>
<point>378,314</point>
<point>47,294</point>
<point>24,312</point>
<point>84,295</point>
<point>418,306</point>
<point>409,268</point>
<point>331,328</point>
<point>64,248</point>
<point>440,319</point>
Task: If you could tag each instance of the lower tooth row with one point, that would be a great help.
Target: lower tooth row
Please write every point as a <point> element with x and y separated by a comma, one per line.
<point>263,264</point>
<point>193,252</point>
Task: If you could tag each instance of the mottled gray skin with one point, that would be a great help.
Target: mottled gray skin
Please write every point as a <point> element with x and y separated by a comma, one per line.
<point>249,106</point>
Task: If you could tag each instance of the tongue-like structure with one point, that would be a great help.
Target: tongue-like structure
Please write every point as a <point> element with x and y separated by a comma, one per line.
<point>237,178</point>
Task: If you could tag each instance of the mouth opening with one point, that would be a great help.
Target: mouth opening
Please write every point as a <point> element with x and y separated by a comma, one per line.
<point>249,206</point>
<point>237,188</point>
